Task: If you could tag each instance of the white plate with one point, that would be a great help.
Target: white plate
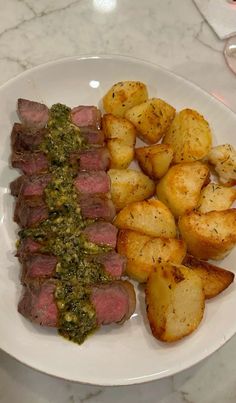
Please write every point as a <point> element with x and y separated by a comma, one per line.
<point>115,355</point>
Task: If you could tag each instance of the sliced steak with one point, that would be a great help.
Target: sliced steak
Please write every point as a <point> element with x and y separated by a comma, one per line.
<point>95,159</point>
<point>33,114</point>
<point>38,304</point>
<point>84,116</point>
<point>26,139</point>
<point>113,302</point>
<point>102,233</point>
<point>29,212</point>
<point>38,266</point>
<point>92,182</point>
<point>92,136</point>
<point>97,207</point>
<point>15,185</point>
<point>33,186</point>
<point>30,163</point>
<point>113,263</point>
<point>27,247</point>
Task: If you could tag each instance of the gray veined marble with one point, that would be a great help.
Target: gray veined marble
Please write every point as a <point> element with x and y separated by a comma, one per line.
<point>170,33</point>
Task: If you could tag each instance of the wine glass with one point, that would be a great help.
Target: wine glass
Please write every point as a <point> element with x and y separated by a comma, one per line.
<point>230,53</point>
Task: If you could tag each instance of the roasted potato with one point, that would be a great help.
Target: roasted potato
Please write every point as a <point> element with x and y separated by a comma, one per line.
<point>211,235</point>
<point>151,119</point>
<point>123,96</point>
<point>150,217</point>
<point>154,160</point>
<point>175,302</point>
<point>189,135</point>
<point>128,186</point>
<point>223,158</point>
<point>216,197</point>
<point>214,279</point>
<point>120,137</point>
<point>143,252</point>
<point>180,188</point>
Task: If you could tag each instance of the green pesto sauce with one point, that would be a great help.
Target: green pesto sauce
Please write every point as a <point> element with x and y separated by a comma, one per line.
<point>61,234</point>
<point>63,137</point>
<point>77,315</point>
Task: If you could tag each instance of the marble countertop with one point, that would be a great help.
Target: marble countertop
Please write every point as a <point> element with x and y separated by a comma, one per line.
<point>169,33</point>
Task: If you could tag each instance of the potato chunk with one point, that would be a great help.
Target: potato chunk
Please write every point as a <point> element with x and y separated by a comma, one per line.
<point>216,197</point>
<point>151,119</point>
<point>189,135</point>
<point>143,252</point>
<point>211,235</point>
<point>175,302</point>
<point>128,186</point>
<point>214,279</point>
<point>223,158</point>
<point>120,137</point>
<point>180,188</point>
<point>123,96</point>
<point>150,217</point>
<point>154,160</point>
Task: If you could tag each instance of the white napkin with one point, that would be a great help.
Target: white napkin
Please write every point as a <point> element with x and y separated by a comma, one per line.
<point>220,14</point>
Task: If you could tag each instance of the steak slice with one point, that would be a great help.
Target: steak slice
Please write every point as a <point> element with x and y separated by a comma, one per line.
<point>92,182</point>
<point>30,163</point>
<point>33,186</point>
<point>27,247</point>
<point>15,185</point>
<point>113,263</point>
<point>97,207</point>
<point>102,233</point>
<point>38,266</point>
<point>113,302</point>
<point>84,116</point>
<point>92,136</point>
<point>25,138</point>
<point>29,212</point>
<point>32,114</point>
<point>38,304</point>
<point>95,159</point>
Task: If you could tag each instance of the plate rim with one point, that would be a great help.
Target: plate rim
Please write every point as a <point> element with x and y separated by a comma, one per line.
<point>213,347</point>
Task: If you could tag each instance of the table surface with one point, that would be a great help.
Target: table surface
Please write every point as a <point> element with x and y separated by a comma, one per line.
<point>172,34</point>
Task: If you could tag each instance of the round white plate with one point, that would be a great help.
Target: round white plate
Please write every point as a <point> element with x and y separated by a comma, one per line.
<point>115,355</point>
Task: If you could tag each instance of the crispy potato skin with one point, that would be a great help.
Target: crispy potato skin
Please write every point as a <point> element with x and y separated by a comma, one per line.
<point>143,252</point>
<point>189,135</point>
<point>150,217</point>
<point>214,279</point>
<point>128,186</point>
<point>154,160</point>
<point>180,188</point>
<point>216,197</point>
<point>223,158</point>
<point>151,119</point>
<point>211,235</point>
<point>123,96</point>
<point>120,137</point>
<point>175,302</point>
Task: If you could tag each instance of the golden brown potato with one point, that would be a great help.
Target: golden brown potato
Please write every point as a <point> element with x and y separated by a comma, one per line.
<point>123,96</point>
<point>143,252</point>
<point>214,279</point>
<point>120,137</point>
<point>223,158</point>
<point>180,188</point>
<point>211,235</point>
<point>128,186</point>
<point>150,217</point>
<point>151,119</point>
<point>154,160</point>
<point>175,302</point>
<point>189,135</point>
<point>216,197</point>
